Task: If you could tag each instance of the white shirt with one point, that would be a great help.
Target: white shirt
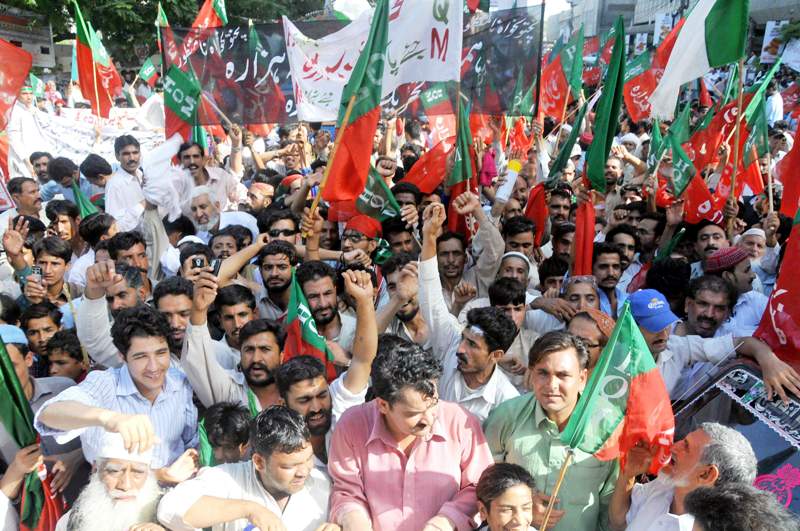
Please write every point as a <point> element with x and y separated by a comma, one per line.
<point>630,272</point>
<point>774,108</point>
<point>125,200</point>
<point>746,315</point>
<point>445,335</point>
<point>684,351</point>
<point>305,511</point>
<point>25,135</point>
<point>78,267</point>
<point>649,509</point>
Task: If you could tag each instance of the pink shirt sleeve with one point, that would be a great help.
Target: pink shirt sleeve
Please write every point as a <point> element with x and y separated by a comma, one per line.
<point>475,458</point>
<point>347,442</point>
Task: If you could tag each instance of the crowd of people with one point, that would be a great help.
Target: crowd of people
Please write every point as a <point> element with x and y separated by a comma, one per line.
<point>151,346</point>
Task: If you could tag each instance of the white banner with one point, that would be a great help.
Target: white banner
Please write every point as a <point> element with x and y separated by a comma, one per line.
<point>773,43</point>
<point>663,25</point>
<point>640,44</point>
<point>791,55</point>
<point>424,45</point>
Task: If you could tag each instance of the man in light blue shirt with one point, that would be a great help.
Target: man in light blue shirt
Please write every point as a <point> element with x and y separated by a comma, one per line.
<point>144,400</point>
<point>607,270</point>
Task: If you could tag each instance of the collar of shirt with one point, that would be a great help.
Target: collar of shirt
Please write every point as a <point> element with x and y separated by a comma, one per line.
<point>379,431</point>
<point>541,419</point>
<point>126,387</point>
<point>488,391</point>
<point>44,387</point>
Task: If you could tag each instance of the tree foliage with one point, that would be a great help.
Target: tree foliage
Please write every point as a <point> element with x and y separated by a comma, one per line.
<point>128,26</point>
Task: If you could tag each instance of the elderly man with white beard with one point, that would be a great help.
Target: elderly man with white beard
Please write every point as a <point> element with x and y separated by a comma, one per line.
<point>711,456</point>
<point>122,494</point>
<point>208,217</point>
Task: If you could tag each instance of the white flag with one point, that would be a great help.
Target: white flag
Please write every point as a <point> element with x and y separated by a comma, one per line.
<point>424,45</point>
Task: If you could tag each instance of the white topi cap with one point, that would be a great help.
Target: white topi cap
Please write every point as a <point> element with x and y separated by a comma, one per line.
<point>112,447</point>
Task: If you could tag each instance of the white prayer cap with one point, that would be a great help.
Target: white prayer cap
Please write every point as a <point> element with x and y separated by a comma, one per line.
<point>630,137</point>
<point>755,231</point>
<point>112,447</point>
<point>190,239</point>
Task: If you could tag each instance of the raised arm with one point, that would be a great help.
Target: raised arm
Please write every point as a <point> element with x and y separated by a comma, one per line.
<point>365,344</point>
<point>233,264</point>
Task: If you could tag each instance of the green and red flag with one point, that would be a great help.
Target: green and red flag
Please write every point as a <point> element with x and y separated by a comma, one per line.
<point>562,77</point>
<point>376,201</point>
<point>302,337</point>
<point>85,206</point>
<point>625,401</point>
<point>702,146</point>
<point>349,168</point>
<point>211,15</point>
<point>99,79</point>
<point>607,116</point>
<point>780,323</point>
<point>566,149</point>
<point>16,66</point>
<point>181,102</point>
<point>37,85</point>
<point>148,72</point>
<point>463,176</point>
<point>168,49</point>
<point>683,170</point>
<point>40,508</point>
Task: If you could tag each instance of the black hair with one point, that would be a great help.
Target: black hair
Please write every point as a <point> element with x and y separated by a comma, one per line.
<point>552,267</point>
<point>270,216</point>
<point>396,262</point>
<point>450,235</point>
<point>714,284</point>
<point>317,163</point>
<point>35,225</point>
<point>659,218</point>
<point>36,155</point>
<point>518,225</point>
<point>67,342</point>
<point>192,248</point>
<point>505,291</point>
<point>297,369</point>
<point>559,230</point>
<point>260,326</point>
<point>240,232</point>
<point>408,188</point>
<point>499,330</point>
<point>122,241</point>
<point>500,477</point>
<point>227,423</point>
<point>54,246</point>
<point>123,141</point>
<point>626,229</point>
<point>132,275</point>
<point>95,226</point>
<point>189,145</point>
<point>181,224</point>
<point>669,275</point>
<point>276,247</point>
<point>401,364</point>
<point>9,309</point>
<point>93,166</point>
<point>278,429</point>
<point>61,167</point>
<point>172,286</point>
<point>14,186</point>
<point>562,192</point>
<point>61,207</point>
<point>234,294</point>
<point>605,248</point>
<point>556,341</point>
<point>738,506</point>
<point>139,321</point>
<point>40,311</point>
<point>394,226</point>
<point>313,270</point>
<point>638,206</point>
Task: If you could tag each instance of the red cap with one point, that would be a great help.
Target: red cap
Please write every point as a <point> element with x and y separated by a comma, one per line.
<point>287,181</point>
<point>365,225</point>
<point>587,138</point>
<point>724,259</point>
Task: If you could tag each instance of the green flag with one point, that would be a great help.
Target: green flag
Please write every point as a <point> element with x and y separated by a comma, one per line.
<point>572,62</point>
<point>566,149</point>
<point>731,86</point>
<point>37,85</point>
<point>656,147</point>
<point>462,163</point>
<point>679,129</point>
<point>85,206</point>
<point>377,200</point>
<point>683,169</point>
<point>752,107</point>
<point>148,72</point>
<point>607,117</point>
<point>757,142</point>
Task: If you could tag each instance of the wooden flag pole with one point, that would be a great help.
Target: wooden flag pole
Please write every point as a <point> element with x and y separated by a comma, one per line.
<point>737,134</point>
<point>94,84</point>
<point>552,502</point>
<point>563,117</point>
<point>339,135</point>
<point>769,182</point>
<point>216,109</point>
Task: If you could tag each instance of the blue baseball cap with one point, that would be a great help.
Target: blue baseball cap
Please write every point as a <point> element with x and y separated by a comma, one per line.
<point>12,334</point>
<point>651,310</point>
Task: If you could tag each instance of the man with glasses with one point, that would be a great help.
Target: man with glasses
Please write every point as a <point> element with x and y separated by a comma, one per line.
<point>361,233</point>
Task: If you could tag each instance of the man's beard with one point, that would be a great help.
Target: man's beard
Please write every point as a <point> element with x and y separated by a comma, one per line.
<point>206,227</point>
<point>96,510</point>
<point>277,289</point>
<point>322,321</point>
<point>321,429</point>
<point>269,379</point>
<point>406,317</point>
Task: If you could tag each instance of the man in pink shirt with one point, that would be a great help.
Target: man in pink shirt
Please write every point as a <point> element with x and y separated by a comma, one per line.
<point>406,461</point>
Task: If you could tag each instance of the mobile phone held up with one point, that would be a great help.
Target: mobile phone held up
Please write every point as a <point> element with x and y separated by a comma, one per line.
<point>36,271</point>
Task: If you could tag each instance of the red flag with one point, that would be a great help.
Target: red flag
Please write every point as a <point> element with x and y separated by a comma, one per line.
<point>520,141</point>
<point>704,98</point>
<point>4,156</point>
<point>791,98</point>
<point>16,65</point>
<point>786,172</point>
<point>700,204</point>
<point>99,79</point>
<point>536,211</point>
<point>780,324</point>
<point>429,171</point>
<point>554,88</point>
<point>211,15</point>
<point>584,239</point>
<point>53,507</point>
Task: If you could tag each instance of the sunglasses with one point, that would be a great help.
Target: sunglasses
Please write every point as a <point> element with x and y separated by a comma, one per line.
<point>275,233</point>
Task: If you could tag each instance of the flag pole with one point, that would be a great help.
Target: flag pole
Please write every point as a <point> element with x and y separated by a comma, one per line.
<point>737,134</point>
<point>94,84</point>
<point>769,181</point>
<point>335,147</point>
<point>561,474</point>
<point>563,117</point>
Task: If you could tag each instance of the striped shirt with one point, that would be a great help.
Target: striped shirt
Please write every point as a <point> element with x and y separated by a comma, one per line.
<point>173,414</point>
